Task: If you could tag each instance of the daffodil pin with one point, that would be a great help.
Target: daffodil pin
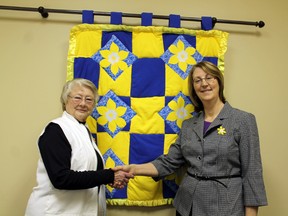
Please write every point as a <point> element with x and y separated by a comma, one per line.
<point>221,130</point>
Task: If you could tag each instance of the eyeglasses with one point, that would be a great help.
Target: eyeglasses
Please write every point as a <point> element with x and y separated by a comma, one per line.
<point>78,99</point>
<point>208,79</point>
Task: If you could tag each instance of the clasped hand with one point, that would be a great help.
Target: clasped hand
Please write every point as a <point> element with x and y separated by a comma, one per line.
<point>122,175</point>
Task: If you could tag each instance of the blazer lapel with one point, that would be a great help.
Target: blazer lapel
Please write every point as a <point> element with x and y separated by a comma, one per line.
<point>222,115</point>
<point>199,125</point>
<point>216,123</point>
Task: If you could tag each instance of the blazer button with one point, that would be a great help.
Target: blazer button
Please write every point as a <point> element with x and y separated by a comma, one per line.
<point>199,158</point>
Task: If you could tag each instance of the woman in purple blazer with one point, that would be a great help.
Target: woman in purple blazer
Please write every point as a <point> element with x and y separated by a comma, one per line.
<point>220,148</point>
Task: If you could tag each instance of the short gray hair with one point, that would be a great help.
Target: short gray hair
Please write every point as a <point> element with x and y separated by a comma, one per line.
<point>67,88</point>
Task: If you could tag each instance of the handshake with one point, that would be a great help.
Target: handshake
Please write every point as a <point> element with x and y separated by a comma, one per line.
<point>122,175</point>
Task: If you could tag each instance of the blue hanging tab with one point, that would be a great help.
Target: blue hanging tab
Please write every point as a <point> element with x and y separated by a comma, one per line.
<point>116,18</point>
<point>174,21</point>
<point>146,19</point>
<point>87,16</point>
<point>206,23</point>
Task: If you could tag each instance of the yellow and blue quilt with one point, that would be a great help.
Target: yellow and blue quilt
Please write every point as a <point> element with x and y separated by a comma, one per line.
<point>141,75</point>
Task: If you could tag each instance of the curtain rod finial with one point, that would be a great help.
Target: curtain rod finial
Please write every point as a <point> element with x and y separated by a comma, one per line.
<point>261,24</point>
<point>43,12</point>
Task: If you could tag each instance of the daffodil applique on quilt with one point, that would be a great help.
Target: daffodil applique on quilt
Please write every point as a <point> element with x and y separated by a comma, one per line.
<point>114,57</point>
<point>181,56</point>
<point>176,111</point>
<point>112,113</point>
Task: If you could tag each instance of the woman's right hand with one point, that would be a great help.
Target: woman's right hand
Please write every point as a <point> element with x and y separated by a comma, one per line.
<point>121,178</point>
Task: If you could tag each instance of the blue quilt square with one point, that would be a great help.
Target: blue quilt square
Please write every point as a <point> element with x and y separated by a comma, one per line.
<point>120,194</point>
<point>127,100</point>
<point>100,128</point>
<point>145,147</point>
<point>169,188</point>
<point>123,36</point>
<point>213,60</point>
<point>88,69</point>
<point>148,78</point>
<point>169,39</point>
<point>168,129</point>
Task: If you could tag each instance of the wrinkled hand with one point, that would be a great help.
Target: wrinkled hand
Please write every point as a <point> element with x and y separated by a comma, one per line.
<point>121,178</point>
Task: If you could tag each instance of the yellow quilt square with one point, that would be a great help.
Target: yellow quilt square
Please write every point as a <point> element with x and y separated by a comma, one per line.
<point>169,140</point>
<point>143,188</point>
<point>147,44</point>
<point>88,43</point>
<point>208,46</point>
<point>174,83</point>
<point>147,119</point>
<point>121,86</point>
<point>120,145</point>
<point>91,122</point>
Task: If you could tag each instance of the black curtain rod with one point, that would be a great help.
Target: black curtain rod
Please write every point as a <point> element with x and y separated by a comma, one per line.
<point>45,13</point>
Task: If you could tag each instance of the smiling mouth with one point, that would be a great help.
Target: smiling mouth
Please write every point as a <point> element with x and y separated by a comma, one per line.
<point>206,90</point>
<point>81,110</point>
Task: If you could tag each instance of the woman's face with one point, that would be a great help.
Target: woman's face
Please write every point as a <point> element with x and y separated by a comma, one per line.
<point>80,103</point>
<point>206,86</point>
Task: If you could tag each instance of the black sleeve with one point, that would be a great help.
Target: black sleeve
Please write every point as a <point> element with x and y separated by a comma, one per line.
<point>55,151</point>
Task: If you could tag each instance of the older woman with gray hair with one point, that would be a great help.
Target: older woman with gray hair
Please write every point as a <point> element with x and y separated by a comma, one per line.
<point>71,175</point>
